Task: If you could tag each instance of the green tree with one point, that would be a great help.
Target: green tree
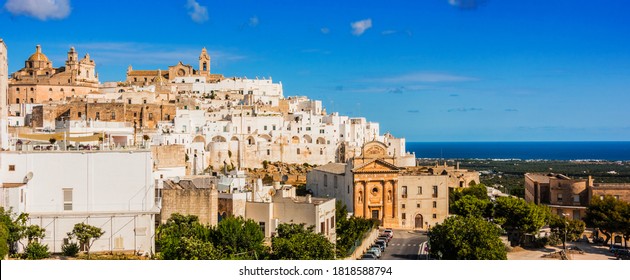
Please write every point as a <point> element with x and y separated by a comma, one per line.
<point>466,238</point>
<point>185,238</point>
<point>560,225</point>
<point>86,235</point>
<point>519,217</point>
<point>34,233</point>
<point>4,237</point>
<point>16,226</point>
<point>36,251</point>
<point>478,190</point>
<point>350,231</point>
<point>294,242</point>
<point>470,205</point>
<point>238,238</point>
<point>607,215</point>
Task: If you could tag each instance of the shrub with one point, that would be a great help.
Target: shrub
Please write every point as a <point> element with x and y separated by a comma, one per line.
<point>36,251</point>
<point>70,250</point>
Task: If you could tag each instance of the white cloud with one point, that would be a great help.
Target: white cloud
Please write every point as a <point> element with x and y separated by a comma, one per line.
<point>40,9</point>
<point>254,21</point>
<point>427,77</point>
<point>198,13</point>
<point>359,27</point>
<point>325,30</point>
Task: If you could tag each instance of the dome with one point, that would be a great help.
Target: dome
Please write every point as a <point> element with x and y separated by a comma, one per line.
<point>38,55</point>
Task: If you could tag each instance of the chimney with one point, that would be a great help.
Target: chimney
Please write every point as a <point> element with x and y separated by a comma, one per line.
<point>309,199</point>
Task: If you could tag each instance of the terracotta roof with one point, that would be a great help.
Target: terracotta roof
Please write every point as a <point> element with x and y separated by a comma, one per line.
<point>335,168</point>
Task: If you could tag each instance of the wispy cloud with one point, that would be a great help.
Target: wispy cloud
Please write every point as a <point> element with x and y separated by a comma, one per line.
<point>254,21</point>
<point>324,30</point>
<point>40,9</point>
<point>198,13</point>
<point>397,90</point>
<point>389,32</point>
<point>464,110</point>
<point>466,4</point>
<point>511,110</point>
<point>427,77</point>
<point>359,27</point>
<point>453,95</point>
<point>150,54</point>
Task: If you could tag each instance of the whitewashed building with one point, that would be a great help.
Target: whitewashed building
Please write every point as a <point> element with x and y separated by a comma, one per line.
<point>112,190</point>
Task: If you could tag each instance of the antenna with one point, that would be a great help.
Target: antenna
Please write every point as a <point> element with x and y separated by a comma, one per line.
<point>28,177</point>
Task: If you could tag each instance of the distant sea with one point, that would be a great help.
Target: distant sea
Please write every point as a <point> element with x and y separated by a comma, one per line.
<point>612,151</point>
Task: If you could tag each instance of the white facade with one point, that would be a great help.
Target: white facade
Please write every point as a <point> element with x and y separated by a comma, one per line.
<point>287,208</point>
<point>4,91</point>
<point>111,190</point>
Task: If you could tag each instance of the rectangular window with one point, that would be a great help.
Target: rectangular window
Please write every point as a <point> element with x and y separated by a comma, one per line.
<point>265,127</point>
<point>403,206</point>
<point>559,197</point>
<point>113,115</point>
<point>322,227</point>
<point>332,222</point>
<point>67,199</point>
<point>419,190</point>
<point>348,188</point>
<point>325,180</point>
<point>12,167</point>
<point>274,127</point>
<point>268,152</point>
<point>262,226</point>
<point>150,116</point>
<point>404,216</point>
<point>404,191</point>
<point>434,216</point>
<point>308,128</point>
<point>435,191</point>
<point>321,131</point>
<point>434,204</point>
<point>576,198</point>
<point>98,115</point>
<point>417,205</point>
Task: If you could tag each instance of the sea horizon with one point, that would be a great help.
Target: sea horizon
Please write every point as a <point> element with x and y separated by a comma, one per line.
<point>523,150</point>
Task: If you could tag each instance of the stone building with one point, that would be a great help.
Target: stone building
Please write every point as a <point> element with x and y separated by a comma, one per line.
<point>39,81</point>
<point>147,77</point>
<point>567,196</point>
<point>139,116</point>
<point>373,186</point>
<point>194,195</point>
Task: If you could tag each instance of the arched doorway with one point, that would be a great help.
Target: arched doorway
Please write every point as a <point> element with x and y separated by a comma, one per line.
<point>418,221</point>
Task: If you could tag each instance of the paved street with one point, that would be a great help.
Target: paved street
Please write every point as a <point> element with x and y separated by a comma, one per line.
<point>405,246</point>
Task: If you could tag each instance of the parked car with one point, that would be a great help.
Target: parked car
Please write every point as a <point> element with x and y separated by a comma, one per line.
<point>368,256</point>
<point>622,254</point>
<point>384,239</point>
<point>390,232</point>
<point>376,247</point>
<point>385,235</point>
<point>375,251</point>
<point>614,248</point>
<point>381,243</point>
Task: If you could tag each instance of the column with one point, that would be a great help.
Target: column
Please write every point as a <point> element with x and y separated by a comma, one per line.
<point>365,200</point>
<point>395,197</point>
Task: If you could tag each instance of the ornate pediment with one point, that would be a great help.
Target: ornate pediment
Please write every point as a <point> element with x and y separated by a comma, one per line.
<point>374,149</point>
<point>376,166</point>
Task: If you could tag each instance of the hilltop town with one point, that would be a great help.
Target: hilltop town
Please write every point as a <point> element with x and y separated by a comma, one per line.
<point>132,160</point>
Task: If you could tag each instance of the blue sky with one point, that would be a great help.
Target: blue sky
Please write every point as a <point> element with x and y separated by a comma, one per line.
<point>433,70</point>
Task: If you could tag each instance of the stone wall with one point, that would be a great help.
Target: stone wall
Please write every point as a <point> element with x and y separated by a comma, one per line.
<point>168,156</point>
<point>202,203</point>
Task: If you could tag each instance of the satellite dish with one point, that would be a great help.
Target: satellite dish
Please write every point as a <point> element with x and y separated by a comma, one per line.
<point>284,178</point>
<point>176,180</point>
<point>28,177</point>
